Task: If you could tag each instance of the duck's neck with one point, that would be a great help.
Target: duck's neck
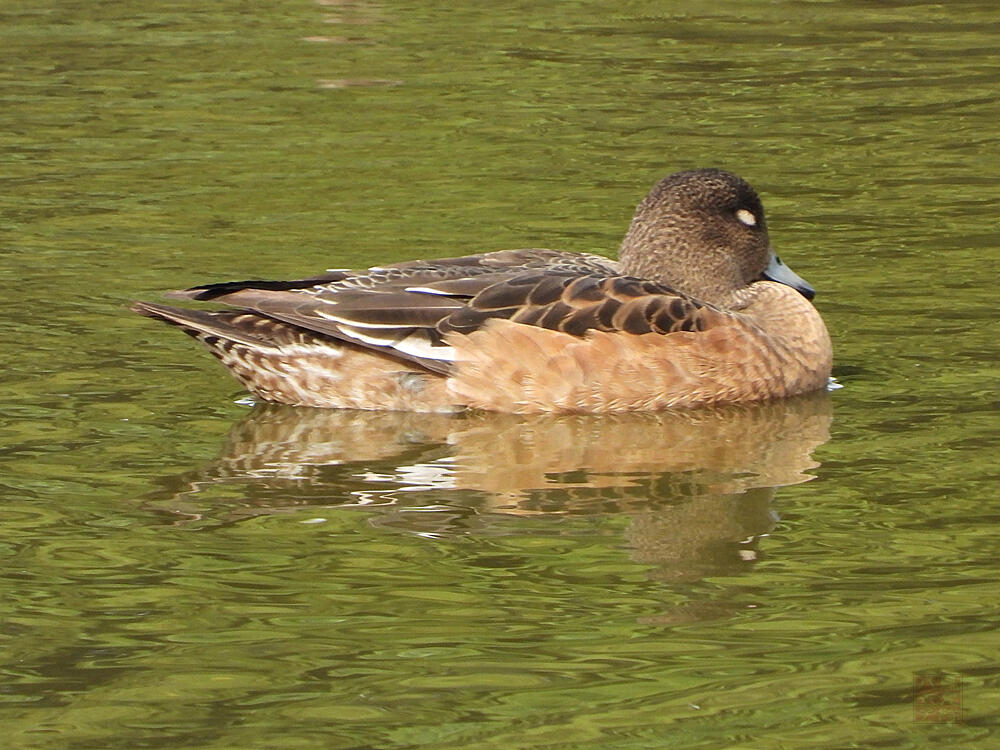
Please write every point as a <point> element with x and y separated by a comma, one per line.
<point>660,253</point>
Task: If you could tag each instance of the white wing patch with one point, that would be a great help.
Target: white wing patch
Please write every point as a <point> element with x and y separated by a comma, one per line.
<point>428,290</point>
<point>366,339</point>
<point>417,344</point>
<point>355,323</point>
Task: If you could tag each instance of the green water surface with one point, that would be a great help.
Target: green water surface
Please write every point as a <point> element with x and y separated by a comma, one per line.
<point>180,570</point>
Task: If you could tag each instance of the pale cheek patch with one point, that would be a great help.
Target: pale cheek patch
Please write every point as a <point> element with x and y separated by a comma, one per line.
<point>746,217</point>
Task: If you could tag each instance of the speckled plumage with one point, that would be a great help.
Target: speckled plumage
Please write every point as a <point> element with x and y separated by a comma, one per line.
<point>687,317</point>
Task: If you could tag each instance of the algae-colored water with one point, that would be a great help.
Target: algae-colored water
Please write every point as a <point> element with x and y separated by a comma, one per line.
<point>183,571</point>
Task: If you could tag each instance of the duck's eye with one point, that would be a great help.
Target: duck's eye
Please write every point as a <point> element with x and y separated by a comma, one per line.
<point>746,217</point>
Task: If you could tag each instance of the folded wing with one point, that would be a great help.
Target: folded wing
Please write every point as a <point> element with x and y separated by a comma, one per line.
<point>408,310</point>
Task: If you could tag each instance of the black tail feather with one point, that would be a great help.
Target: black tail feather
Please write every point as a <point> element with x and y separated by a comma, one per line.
<point>211,291</point>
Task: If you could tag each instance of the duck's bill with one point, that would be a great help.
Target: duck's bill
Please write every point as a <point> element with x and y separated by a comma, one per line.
<point>778,271</point>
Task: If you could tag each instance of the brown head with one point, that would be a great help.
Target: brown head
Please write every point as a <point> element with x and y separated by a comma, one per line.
<point>703,233</point>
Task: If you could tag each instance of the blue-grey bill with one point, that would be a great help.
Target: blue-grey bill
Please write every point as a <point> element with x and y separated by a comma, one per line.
<point>778,271</point>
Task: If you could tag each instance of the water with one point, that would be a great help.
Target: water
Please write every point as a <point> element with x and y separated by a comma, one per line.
<point>183,571</point>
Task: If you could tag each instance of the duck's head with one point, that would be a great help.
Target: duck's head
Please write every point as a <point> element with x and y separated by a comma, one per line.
<point>703,233</point>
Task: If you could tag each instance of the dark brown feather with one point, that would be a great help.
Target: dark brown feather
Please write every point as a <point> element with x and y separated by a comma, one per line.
<point>212,291</point>
<point>385,306</point>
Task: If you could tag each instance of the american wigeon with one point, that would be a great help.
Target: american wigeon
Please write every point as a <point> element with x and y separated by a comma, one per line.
<point>697,310</point>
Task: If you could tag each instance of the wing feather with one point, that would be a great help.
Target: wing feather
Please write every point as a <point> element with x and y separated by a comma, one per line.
<point>409,309</point>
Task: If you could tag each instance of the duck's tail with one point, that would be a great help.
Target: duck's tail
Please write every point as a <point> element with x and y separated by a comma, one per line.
<point>213,328</point>
<point>280,362</point>
<point>253,347</point>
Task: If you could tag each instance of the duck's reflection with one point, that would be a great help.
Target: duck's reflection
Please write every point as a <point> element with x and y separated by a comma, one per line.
<point>696,485</point>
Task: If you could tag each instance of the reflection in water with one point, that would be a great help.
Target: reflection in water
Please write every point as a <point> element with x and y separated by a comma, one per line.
<point>344,83</point>
<point>696,485</point>
<point>337,40</point>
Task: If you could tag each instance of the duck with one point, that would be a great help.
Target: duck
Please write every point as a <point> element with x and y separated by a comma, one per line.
<point>698,310</point>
